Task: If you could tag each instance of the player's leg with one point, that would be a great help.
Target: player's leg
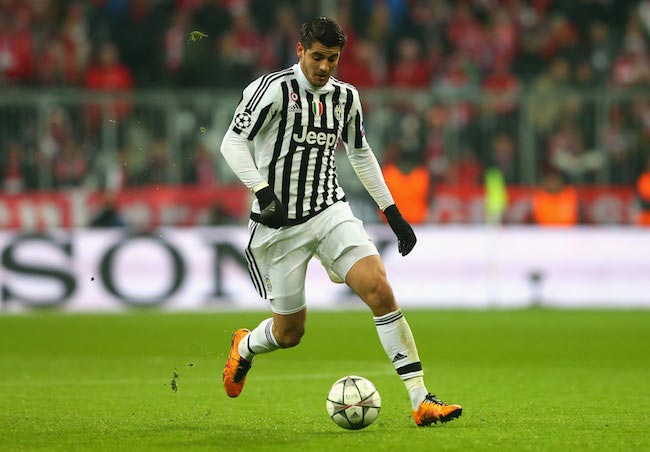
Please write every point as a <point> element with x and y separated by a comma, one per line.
<point>278,264</point>
<point>349,256</point>
<point>367,278</point>
<point>283,330</point>
<point>278,331</point>
<point>288,329</point>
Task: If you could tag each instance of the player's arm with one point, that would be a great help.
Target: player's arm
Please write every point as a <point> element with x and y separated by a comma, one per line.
<point>367,168</point>
<point>245,125</point>
<point>235,150</point>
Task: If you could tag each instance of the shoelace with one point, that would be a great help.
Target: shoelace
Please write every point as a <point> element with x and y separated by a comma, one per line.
<point>430,398</point>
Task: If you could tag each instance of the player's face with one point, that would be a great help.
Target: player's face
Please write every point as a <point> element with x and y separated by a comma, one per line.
<point>318,62</point>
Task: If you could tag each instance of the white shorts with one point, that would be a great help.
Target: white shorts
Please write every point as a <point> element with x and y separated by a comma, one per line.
<point>278,258</point>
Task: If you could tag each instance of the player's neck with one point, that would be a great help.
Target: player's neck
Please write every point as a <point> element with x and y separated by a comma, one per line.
<point>304,82</point>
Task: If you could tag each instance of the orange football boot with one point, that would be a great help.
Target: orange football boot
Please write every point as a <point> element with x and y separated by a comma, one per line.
<point>432,410</point>
<point>234,374</point>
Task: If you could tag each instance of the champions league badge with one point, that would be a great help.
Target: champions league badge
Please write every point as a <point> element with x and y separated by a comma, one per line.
<point>243,120</point>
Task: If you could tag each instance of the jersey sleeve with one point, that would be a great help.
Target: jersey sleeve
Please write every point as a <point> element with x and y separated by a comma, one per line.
<point>255,109</point>
<point>240,160</point>
<point>362,158</point>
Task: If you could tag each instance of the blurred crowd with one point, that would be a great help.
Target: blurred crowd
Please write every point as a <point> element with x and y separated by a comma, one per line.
<point>564,53</point>
<point>491,44</point>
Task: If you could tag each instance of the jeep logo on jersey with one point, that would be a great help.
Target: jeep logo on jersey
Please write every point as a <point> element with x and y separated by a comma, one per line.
<point>312,137</point>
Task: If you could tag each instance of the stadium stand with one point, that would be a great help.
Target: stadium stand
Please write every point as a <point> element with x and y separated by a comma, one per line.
<point>109,95</point>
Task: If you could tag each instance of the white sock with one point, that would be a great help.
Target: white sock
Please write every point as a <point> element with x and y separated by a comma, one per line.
<point>260,340</point>
<point>397,339</point>
<point>417,391</point>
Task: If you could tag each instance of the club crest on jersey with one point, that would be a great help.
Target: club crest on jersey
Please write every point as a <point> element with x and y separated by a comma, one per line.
<point>317,107</point>
<point>243,120</point>
<point>338,112</point>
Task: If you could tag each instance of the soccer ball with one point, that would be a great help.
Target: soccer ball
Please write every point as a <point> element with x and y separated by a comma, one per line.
<point>353,402</point>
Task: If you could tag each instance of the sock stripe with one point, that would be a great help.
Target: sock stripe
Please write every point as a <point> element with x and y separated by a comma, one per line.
<point>388,318</point>
<point>268,331</point>
<point>413,367</point>
<point>248,343</point>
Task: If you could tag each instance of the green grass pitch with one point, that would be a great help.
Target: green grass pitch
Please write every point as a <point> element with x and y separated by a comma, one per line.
<point>527,380</point>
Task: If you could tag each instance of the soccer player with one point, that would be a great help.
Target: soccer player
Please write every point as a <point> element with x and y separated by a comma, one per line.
<point>295,118</point>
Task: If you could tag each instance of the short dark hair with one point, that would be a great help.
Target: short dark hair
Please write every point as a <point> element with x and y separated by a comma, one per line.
<point>324,30</point>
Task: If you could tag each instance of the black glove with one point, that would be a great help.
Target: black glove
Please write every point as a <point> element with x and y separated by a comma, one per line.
<point>272,212</point>
<point>405,236</point>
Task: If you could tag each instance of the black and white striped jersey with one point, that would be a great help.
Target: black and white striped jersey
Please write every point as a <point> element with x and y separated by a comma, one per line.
<point>295,129</point>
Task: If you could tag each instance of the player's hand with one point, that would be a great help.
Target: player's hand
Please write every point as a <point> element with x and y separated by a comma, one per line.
<point>272,213</point>
<point>405,236</point>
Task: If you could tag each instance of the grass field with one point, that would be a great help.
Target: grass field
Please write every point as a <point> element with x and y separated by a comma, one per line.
<point>527,380</point>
